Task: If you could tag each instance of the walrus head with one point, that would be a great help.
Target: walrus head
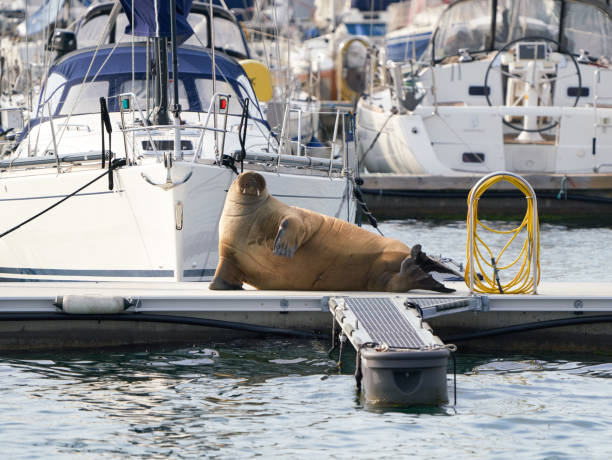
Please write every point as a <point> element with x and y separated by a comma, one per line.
<point>251,184</point>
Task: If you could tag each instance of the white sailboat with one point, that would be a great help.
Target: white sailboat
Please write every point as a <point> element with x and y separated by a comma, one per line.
<point>147,209</point>
<point>507,85</point>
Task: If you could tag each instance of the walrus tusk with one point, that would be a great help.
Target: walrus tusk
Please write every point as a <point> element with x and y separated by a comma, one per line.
<point>257,192</point>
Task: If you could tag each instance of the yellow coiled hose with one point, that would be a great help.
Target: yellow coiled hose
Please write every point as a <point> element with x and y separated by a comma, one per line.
<point>527,277</point>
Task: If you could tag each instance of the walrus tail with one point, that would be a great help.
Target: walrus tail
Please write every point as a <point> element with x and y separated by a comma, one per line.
<point>428,264</point>
<point>412,276</point>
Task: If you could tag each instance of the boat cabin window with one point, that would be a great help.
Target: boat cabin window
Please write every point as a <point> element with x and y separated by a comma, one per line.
<point>84,98</point>
<point>525,18</point>
<point>199,24</point>
<point>587,28</point>
<point>53,91</point>
<point>246,90</point>
<point>205,92</point>
<point>89,32</point>
<point>140,90</point>
<point>465,25</point>
<point>227,33</point>
<point>228,36</point>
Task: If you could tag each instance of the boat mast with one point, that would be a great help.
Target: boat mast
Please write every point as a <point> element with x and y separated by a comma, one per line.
<point>161,48</point>
<point>176,107</point>
<point>214,73</point>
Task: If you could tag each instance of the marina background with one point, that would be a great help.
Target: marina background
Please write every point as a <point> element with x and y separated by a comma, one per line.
<point>285,398</point>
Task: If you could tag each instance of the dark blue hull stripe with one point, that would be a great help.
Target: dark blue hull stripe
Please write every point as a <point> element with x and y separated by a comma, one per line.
<point>198,273</point>
<point>194,273</point>
<point>106,273</point>
<point>38,280</point>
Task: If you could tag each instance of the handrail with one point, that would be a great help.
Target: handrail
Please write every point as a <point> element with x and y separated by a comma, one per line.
<point>45,160</point>
<point>184,127</point>
<point>149,128</point>
<point>13,109</point>
<point>142,117</point>
<point>215,96</point>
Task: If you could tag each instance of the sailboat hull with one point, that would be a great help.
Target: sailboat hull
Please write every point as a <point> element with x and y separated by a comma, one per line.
<point>137,231</point>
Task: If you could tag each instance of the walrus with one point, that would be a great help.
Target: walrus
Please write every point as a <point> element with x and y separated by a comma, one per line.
<point>270,245</point>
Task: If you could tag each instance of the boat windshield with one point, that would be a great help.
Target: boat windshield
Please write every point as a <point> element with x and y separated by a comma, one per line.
<point>525,18</point>
<point>587,28</point>
<point>463,25</point>
<point>81,98</point>
<point>468,24</point>
<point>227,33</point>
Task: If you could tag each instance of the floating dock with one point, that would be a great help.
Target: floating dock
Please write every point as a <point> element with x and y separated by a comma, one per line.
<point>562,317</point>
<point>399,359</point>
<point>561,197</point>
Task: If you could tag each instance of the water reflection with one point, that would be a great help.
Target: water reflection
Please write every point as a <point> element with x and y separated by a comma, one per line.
<point>286,398</point>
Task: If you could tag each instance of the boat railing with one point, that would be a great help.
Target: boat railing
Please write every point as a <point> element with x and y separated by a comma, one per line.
<point>332,157</point>
<point>11,124</point>
<point>47,160</point>
<point>152,129</point>
<point>335,150</point>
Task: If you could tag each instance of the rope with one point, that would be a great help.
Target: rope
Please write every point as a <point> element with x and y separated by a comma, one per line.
<point>363,205</point>
<point>452,353</point>
<point>523,280</point>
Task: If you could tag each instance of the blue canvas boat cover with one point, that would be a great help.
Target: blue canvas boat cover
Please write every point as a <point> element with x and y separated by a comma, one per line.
<point>234,3</point>
<point>191,61</point>
<point>372,5</point>
<point>152,18</point>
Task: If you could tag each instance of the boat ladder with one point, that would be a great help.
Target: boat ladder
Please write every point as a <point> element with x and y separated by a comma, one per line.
<point>399,359</point>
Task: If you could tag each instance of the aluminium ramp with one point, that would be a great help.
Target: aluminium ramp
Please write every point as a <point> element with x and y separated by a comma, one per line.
<point>401,362</point>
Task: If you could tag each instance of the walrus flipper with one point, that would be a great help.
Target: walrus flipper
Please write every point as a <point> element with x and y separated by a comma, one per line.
<point>227,277</point>
<point>428,264</point>
<point>287,239</point>
<point>412,276</point>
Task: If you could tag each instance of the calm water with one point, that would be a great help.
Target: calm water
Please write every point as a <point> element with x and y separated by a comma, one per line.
<point>286,399</point>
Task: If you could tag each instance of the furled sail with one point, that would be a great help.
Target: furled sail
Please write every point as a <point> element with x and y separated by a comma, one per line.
<point>152,18</point>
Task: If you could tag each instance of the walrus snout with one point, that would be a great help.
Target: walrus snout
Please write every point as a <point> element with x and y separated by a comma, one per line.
<point>251,183</point>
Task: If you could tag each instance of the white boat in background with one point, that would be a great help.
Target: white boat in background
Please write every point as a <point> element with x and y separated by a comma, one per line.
<point>334,66</point>
<point>508,85</point>
<point>148,209</point>
<point>409,34</point>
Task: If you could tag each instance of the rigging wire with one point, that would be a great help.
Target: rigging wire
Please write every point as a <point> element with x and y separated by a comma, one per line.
<point>112,165</point>
<point>112,16</point>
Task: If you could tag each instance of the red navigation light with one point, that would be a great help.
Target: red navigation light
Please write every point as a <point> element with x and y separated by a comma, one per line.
<point>223,103</point>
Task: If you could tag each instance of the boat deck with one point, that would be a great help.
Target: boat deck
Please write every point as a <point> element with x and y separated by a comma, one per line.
<point>27,311</point>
